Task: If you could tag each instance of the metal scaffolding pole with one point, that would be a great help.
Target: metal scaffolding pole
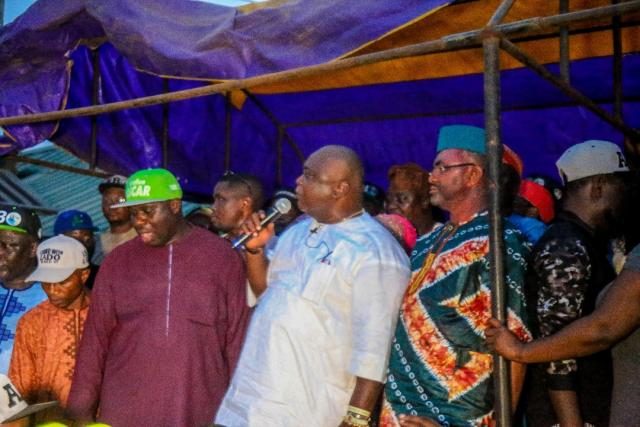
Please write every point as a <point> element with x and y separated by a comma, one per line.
<point>501,377</point>
<point>617,66</point>
<point>227,131</point>
<point>95,100</point>
<point>564,45</point>
<point>59,166</point>
<point>165,126</point>
<point>279,139</point>
<point>281,128</point>
<point>568,90</point>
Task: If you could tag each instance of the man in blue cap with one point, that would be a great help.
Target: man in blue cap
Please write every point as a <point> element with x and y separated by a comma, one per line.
<point>440,369</point>
<point>20,232</point>
<point>78,225</point>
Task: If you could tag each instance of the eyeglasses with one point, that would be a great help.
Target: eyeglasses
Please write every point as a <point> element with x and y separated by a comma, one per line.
<point>441,169</point>
<point>311,176</point>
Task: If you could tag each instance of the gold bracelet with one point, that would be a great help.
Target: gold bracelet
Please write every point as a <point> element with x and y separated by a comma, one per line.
<point>352,421</point>
<point>363,413</point>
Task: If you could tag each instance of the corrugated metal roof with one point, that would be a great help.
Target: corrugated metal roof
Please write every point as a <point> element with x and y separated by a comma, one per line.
<point>61,190</point>
<point>15,192</point>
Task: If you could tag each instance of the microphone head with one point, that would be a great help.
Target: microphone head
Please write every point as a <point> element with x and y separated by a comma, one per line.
<point>282,205</point>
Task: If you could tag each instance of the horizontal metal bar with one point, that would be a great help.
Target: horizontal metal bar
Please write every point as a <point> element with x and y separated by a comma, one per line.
<point>382,117</point>
<point>58,166</point>
<point>568,90</point>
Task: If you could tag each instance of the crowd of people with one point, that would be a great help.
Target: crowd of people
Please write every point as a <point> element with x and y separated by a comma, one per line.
<point>358,307</point>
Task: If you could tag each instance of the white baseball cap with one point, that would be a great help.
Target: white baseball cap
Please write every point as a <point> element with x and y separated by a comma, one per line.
<point>589,158</point>
<point>58,258</point>
<point>12,406</point>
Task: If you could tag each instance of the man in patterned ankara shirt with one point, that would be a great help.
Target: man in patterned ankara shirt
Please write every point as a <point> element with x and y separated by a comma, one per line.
<point>47,336</point>
<point>440,367</point>
<point>569,267</point>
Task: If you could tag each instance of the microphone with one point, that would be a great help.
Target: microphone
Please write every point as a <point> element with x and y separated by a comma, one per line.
<point>279,208</point>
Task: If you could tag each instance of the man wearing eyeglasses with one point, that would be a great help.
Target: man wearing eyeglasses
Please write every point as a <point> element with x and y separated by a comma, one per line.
<point>317,347</point>
<point>440,366</point>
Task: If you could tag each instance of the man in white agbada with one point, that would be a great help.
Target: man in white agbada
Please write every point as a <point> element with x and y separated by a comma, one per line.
<point>317,348</point>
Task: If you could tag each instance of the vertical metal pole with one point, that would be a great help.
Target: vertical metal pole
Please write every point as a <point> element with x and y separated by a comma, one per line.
<point>227,132</point>
<point>279,156</point>
<point>564,45</point>
<point>165,126</point>
<point>491,47</point>
<point>1,13</point>
<point>617,65</point>
<point>95,99</point>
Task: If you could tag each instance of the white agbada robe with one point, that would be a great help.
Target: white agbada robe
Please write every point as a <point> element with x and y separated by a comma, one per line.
<point>327,316</point>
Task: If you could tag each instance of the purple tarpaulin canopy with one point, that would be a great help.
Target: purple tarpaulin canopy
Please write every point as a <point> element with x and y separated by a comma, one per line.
<point>46,65</point>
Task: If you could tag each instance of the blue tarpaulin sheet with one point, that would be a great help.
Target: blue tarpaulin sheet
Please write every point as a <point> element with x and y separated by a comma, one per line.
<point>46,65</point>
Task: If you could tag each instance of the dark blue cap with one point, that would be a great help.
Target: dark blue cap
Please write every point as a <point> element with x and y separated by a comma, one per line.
<point>73,220</point>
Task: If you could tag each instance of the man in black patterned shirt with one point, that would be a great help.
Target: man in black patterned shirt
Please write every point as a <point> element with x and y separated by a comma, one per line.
<point>568,268</point>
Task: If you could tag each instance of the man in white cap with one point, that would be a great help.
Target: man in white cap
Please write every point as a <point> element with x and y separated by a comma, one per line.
<point>568,269</point>
<point>47,336</point>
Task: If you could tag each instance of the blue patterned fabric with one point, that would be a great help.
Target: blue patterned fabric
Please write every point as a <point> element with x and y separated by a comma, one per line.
<point>13,304</point>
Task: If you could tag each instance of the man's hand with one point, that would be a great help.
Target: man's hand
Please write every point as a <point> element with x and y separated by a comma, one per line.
<point>500,339</point>
<point>261,235</point>
<point>412,421</point>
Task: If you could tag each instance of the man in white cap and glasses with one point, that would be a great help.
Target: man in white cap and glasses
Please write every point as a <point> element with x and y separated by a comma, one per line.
<point>167,319</point>
<point>120,228</point>
<point>44,353</point>
<point>568,269</point>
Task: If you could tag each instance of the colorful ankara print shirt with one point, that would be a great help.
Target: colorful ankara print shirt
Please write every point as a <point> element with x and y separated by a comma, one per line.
<point>13,304</point>
<point>440,366</point>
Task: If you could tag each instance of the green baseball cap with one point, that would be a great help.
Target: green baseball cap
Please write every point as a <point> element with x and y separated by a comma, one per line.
<point>150,186</point>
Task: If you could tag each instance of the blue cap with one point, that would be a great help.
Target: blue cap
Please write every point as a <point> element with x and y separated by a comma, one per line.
<point>462,137</point>
<point>73,220</point>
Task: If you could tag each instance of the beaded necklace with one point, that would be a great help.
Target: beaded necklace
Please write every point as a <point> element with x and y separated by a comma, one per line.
<point>447,233</point>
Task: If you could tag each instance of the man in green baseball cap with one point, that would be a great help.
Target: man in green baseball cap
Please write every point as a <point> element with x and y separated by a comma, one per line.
<point>180,292</point>
<point>154,198</point>
<point>149,186</point>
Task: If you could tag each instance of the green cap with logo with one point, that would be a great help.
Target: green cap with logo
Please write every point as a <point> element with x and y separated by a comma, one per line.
<point>150,186</point>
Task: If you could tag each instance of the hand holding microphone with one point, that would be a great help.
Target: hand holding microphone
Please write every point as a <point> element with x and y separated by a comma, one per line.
<point>258,228</point>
